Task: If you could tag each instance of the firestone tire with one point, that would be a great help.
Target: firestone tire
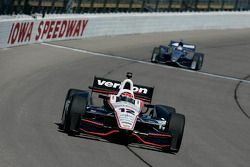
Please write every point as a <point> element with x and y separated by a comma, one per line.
<point>197,61</point>
<point>76,109</point>
<point>66,105</point>
<point>176,129</point>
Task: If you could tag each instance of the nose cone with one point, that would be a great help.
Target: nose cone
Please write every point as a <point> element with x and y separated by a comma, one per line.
<point>174,59</point>
<point>176,55</point>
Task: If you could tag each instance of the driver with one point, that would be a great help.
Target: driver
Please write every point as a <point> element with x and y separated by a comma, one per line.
<point>126,97</point>
<point>180,46</point>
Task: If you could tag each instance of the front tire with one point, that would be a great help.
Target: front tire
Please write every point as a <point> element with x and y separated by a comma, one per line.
<point>69,95</point>
<point>176,129</point>
<point>155,53</point>
<point>76,109</point>
<point>197,61</point>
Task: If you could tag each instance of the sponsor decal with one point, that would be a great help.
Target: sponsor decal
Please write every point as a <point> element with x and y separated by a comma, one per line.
<point>108,86</point>
<point>20,32</point>
<point>52,29</point>
<point>114,85</point>
<point>44,30</point>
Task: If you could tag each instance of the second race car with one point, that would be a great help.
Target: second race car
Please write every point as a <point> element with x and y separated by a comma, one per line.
<point>126,114</point>
<point>178,53</point>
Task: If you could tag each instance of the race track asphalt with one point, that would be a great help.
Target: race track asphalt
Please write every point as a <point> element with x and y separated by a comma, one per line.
<point>34,80</point>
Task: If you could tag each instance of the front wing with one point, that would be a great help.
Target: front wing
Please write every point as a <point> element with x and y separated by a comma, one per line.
<point>105,125</point>
<point>167,59</point>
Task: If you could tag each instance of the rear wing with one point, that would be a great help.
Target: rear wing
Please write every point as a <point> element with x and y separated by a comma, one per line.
<point>186,46</point>
<point>108,86</point>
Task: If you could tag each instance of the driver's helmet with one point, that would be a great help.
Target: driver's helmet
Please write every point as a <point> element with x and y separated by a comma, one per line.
<point>180,46</point>
<point>126,97</point>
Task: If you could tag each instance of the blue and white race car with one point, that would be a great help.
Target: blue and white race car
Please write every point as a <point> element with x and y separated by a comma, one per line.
<point>178,53</point>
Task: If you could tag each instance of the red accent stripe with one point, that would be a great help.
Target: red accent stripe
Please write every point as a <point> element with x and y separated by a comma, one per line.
<point>99,134</point>
<point>160,135</point>
<point>149,143</point>
<point>141,105</point>
<point>103,91</point>
<point>92,122</point>
<point>143,99</point>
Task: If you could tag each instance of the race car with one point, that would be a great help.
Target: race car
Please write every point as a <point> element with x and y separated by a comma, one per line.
<point>126,114</point>
<point>178,53</point>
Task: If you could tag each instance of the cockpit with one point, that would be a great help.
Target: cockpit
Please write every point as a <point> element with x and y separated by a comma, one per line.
<point>126,92</point>
<point>125,99</point>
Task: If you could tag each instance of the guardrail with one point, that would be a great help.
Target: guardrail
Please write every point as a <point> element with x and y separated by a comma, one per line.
<point>107,6</point>
<point>21,31</point>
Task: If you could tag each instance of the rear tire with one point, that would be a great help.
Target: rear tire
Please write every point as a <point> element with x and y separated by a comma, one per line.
<point>176,129</point>
<point>155,53</point>
<point>197,61</point>
<point>76,109</point>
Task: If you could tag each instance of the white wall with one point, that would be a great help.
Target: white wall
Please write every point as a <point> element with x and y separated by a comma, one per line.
<point>20,31</point>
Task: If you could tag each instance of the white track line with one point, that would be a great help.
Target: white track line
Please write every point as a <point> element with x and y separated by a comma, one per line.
<point>144,62</point>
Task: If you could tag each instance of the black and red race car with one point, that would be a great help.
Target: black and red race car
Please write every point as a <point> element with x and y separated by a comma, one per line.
<point>126,114</point>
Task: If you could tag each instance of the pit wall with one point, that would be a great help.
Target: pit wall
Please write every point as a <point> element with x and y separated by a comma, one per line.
<point>21,31</point>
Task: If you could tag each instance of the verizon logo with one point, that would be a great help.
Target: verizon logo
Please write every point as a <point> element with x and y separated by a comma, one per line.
<point>117,85</point>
